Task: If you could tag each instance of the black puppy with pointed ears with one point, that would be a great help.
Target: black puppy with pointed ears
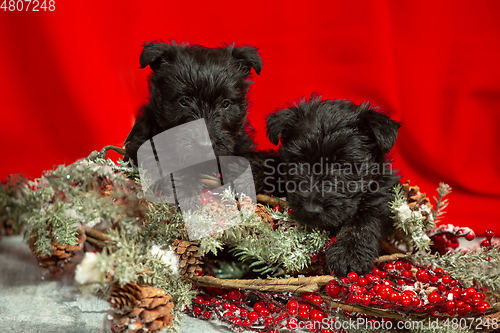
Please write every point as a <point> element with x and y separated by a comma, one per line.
<point>337,174</point>
<point>191,82</point>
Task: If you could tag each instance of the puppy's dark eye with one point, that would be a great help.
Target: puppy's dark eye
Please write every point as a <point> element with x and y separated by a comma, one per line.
<point>225,104</point>
<point>184,101</point>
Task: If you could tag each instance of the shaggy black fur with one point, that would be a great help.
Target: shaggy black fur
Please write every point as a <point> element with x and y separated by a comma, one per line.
<point>337,175</point>
<point>191,82</point>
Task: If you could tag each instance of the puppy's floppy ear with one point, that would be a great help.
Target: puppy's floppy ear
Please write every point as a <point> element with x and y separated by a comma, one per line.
<point>249,57</point>
<point>154,54</point>
<point>384,129</point>
<point>276,124</point>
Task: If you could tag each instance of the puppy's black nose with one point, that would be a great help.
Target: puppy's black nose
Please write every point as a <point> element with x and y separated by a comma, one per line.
<point>313,208</point>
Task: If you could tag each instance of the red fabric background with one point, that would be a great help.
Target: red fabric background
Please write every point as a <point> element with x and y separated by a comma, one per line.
<point>70,80</point>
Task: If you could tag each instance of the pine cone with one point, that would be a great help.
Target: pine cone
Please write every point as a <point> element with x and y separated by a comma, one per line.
<point>416,199</point>
<point>137,308</point>
<point>263,213</point>
<point>189,258</point>
<point>62,254</point>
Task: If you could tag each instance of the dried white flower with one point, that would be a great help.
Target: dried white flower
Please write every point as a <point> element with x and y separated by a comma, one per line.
<point>169,258</point>
<point>404,212</point>
<point>87,271</point>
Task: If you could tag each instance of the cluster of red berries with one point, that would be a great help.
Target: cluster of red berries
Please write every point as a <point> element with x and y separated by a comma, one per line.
<point>404,287</point>
<point>267,315</point>
<point>445,238</point>
<point>206,197</point>
<point>489,234</point>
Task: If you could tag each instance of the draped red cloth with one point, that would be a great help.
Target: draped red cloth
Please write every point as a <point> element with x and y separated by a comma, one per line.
<point>70,80</point>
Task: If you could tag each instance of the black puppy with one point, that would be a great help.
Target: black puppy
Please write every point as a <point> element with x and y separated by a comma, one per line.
<point>337,176</point>
<point>191,82</point>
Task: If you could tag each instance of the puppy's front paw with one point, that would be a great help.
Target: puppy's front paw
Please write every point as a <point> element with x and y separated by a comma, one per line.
<point>343,260</point>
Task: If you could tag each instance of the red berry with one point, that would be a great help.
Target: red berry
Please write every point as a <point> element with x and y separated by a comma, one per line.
<point>422,276</point>
<point>317,300</point>
<point>489,234</point>
<point>405,300</point>
<point>480,295</point>
<point>268,321</point>
<point>304,307</point>
<point>258,306</point>
<point>197,311</point>
<point>481,308</point>
<point>407,266</point>
<point>292,305</point>
<point>246,323</point>
<point>376,271</point>
<point>470,236</point>
<point>384,292</point>
<point>277,209</point>
<point>235,294</point>
<point>401,282</point>
<point>332,289</point>
<point>352,277</point>
<point>485,243</point>
<point>207,315</point>
<point>233,307</point>
<point>229,314</point>
<point>264,312</point>
<point>441,287</point>
<point>433,278</point>
<point>226,306</point>
<point>476,300</point>
<point>304,314</point>
<point>434,297</point>
<point>353,289</point>
<point>439,270</point>
<point>203,201</point>
<point>394,297</point>
<point>451,305</point>
<point>382,274</point>
<point>462,312</point>
<point>292,324</point>
<point>446,279</point>
<point>407,274</point>
<point>289,211</point>
<point>316,315</point>
<point>451,312</point>
<point>389,267</point>
<point>307,296</point>
<point>253,316</point>
<point>199,299</point>
<point>398,265</point>
<point>293,312</point>
<point>362,282</point>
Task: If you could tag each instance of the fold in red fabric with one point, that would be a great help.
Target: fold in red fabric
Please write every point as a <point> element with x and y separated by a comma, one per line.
<point>71,81</point>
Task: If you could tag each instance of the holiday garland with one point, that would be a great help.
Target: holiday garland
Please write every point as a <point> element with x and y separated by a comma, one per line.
<point>152,274</point>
